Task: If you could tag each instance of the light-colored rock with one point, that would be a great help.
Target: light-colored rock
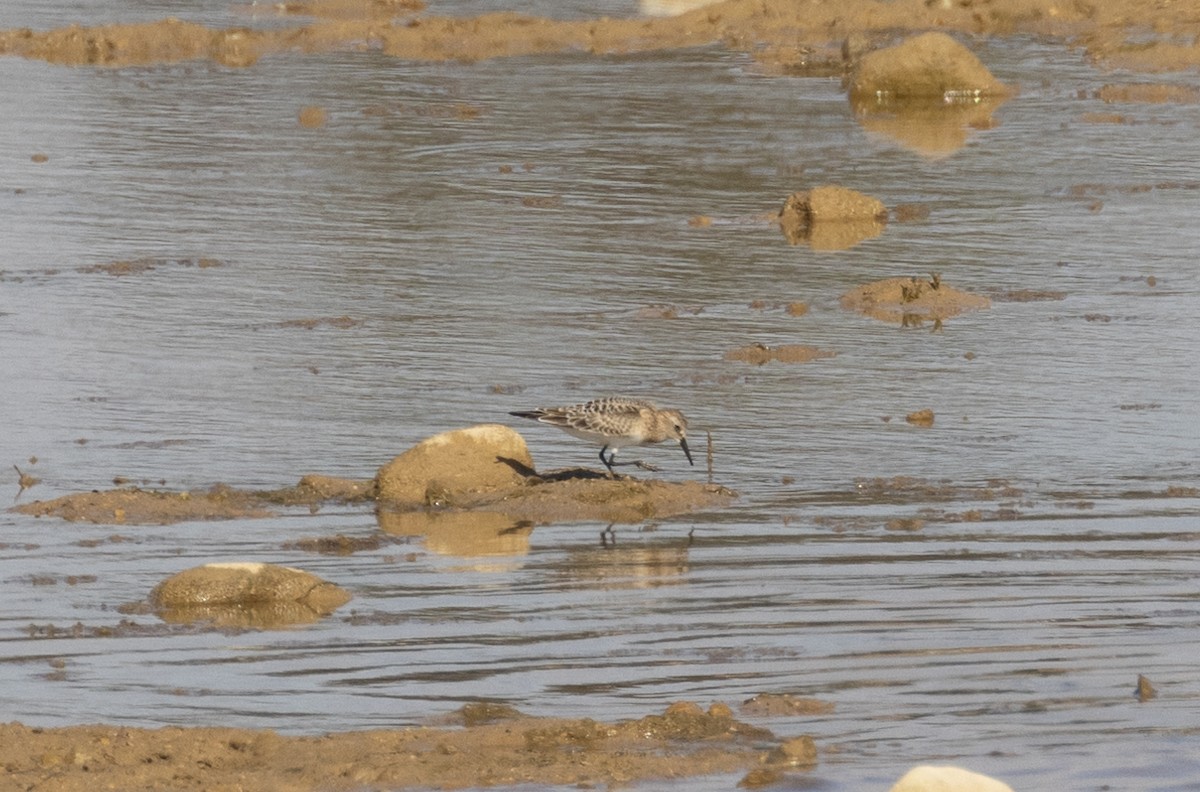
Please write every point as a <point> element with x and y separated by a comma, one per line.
<point>946,778</point>
<point>664,8</point>
<point>931,65</point>
<point>248,594</point>
<point>467,534</point>
<point>441,469</point>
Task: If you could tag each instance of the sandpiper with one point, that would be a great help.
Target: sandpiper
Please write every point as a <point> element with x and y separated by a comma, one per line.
<point>615,422</point>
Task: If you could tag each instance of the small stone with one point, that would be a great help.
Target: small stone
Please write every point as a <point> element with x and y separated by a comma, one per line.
<point>930,778</point>
<point>760,777</point>
<point>688,708</point>
<point>720,710</point>
<point>312,117</point>
<point>920,418</point>
<point>796,752</point>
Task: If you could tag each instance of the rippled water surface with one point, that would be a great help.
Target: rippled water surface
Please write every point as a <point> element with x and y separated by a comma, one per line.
<point>461,240</point>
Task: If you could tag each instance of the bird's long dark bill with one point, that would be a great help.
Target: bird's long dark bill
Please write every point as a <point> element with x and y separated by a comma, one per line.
<point>686,453</point>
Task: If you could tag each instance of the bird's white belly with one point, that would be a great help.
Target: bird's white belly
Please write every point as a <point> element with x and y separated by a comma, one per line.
<point>612,441</point>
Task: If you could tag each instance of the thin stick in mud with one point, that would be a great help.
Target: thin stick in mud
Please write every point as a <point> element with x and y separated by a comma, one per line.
<point>710,457</point>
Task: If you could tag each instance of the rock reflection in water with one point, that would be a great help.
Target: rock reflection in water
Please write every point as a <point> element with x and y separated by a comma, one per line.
<point>933,131</point>
<point>467,534</point>
<point>627,566</point>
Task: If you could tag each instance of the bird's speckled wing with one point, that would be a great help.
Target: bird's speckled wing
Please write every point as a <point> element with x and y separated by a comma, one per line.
<point>611,417</point>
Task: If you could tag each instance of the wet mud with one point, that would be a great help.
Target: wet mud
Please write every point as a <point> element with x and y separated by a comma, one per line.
<point>783,36</point>
<point>137,506</point>
<point>576,495</point>
<point>563,496</point>
<point>759,354</point>
<point>499,746</point>
<point>911,301</point>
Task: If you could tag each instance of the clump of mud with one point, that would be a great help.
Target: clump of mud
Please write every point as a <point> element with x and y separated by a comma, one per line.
<point>909,301</point>
<point>831,217</point>
<point>1149,93</point>
<point>924,418</point>
<point>576,494</point>
<point>777,705</point>
<point>758,354</point>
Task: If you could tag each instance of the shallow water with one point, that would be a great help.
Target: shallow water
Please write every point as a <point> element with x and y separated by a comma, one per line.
<point>1057,557</point>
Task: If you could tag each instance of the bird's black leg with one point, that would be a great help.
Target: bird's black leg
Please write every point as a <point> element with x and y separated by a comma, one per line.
<point>608,463</point>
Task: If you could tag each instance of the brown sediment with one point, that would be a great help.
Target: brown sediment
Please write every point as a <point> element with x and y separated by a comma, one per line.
<point>136,506</point>
<point>911,300</point>
<point>141,265</point>
<point>501,748</point>
<point>562,496</point>
<point>775,705</point>
<point>796,308</point>
<point>1149,93</point>
<point>910,213</point>
<point>923,417</point>
<point>904,524</point>
<point>758,354</point>
<point>1104,118</point>
<point>785,37</point>
<point>312,117</point>
<point>1029,295</point>
<point>338,322</point>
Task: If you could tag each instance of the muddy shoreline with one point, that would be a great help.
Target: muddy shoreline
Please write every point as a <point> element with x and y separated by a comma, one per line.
<point>783,37</point>
<point>491,746</point>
